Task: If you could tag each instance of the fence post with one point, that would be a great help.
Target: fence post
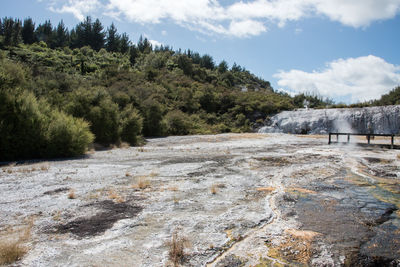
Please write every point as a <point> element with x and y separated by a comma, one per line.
<point>392,143</point>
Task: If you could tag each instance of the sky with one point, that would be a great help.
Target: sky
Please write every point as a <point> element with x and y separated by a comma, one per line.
<point>343,50</point>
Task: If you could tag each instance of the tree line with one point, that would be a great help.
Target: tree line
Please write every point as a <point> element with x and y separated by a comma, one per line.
<point>86,33</point>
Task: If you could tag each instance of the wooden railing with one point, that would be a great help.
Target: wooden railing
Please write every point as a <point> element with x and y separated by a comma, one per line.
<point>367,135</point>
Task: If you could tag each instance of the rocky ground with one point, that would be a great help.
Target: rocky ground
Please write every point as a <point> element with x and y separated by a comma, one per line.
<point>218,200</point>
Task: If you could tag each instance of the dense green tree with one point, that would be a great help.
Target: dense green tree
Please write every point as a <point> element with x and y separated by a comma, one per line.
<point>28,31</point>
<point>391,98</point>
<point>97,36</point>
<point>178,123</point>
<point>131,125</point>
<point>1,27</point>
<point>144,45</point>
<point>83,33</point>
<point>124,43</point>
<point>223,67</point>
<point>236,68</point>
<point>44,32</point>
<point>61,38</point>
<point>153,116</point>
<point>207,62</point>
<point>31,129</point>
<point>133,54</point>
<point>113,39</point>
<point>185,64</point>
<point>8,30</point>
<point>17,29</point>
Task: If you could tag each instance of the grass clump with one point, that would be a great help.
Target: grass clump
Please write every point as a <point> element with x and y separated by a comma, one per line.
<point>71,194</point>
<point>142,183</point>
<point>13,248</point>
<point>11,251</point>
<point>214,189</point>
<point>177,247</point>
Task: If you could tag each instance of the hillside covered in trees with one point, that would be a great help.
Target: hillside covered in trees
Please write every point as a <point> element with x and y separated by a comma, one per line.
<point>61,90</point>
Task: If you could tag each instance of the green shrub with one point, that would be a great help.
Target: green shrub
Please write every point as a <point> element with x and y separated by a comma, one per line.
<point>31,129</point>
<point>131,125</point>
<point>104,119</point>
<point>153,119</point>
<point>178,123</point>
<point>67,136</point>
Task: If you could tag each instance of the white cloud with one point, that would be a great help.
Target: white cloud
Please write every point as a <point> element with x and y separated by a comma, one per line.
<point>155,43</point>
<point>359,79</point>
<point>239,19</point>
<point>79,8</point>
<point>357,13</point>
<point>246,28</point>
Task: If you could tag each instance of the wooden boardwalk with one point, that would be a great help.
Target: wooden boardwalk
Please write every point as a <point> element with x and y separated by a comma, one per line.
<point>367,135</point>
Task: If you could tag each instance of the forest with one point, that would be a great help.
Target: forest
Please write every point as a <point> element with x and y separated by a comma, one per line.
<point>62,90</point>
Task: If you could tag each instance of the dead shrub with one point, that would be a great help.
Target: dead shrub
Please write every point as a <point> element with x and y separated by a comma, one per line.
<point>115,196</point>
<point>214,189</point>
<point>71,194</point>
<point>11,251</point>
<point>13,248</point>
<point>142,183</point>
<point>177,247</point>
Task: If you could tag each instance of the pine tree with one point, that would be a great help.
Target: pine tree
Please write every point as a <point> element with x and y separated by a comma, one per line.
<point>44,32</point>
<point>124,43</point>
<point>144,45</point>
<point>97,36</point>
<point>207,62</point>
<point>1,27</point>
<point>61,37</point>
<point>16,35</point>
<point>73,39</point>
<point>28,31</point>
<point>83,33</point>
<point>133,54</point>
<point>222,67</point>
<point>113,39</point>
<point>8,26</point>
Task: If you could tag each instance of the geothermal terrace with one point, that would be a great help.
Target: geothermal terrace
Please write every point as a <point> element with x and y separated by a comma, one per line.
<point>226,200</point>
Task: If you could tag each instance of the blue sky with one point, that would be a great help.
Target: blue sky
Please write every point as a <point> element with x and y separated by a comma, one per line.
<point>344,50</point>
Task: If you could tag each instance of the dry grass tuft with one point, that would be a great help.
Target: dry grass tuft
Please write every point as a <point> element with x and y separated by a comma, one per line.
<point>11,251</point>
<point>398,156</point>
<point>13,248</point>
<point>27,169</point>
<point>301,190</point>
<point>296,246</point>
<point>214,189</point>
<point>71,194</point>
<point>154,174</point>
<point>44,167</point>
<point>177,247</point>
<point>302,234</point>
<point>142,183</point>
<point>267,190</point>
<point>124,145</point>
<point>115,196</point>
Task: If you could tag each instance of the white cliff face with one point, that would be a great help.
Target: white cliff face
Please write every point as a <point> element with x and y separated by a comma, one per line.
<point>378,120</point>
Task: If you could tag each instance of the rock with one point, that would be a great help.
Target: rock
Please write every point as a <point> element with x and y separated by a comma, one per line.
<point>378,120</point>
